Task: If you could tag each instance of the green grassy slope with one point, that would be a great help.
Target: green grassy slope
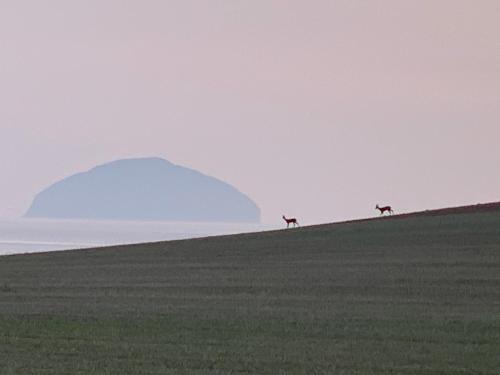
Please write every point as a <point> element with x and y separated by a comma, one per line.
<point>419,295</point>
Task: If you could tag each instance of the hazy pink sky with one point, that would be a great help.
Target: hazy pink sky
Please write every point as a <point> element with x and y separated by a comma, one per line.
<point>318,109</point>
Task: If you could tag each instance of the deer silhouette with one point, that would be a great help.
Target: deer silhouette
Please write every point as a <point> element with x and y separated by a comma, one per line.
<point>384,209</point>
<point>291,221</point>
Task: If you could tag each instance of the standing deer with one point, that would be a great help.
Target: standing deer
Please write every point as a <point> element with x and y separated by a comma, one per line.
<point>291,221</point>
<point>384,209</point>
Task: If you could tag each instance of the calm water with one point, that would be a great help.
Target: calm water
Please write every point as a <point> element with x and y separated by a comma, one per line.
<point>33,235</point>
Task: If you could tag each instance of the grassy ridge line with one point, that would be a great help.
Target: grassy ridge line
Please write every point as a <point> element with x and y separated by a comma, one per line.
<point>458,210</point>
<point>413,296</point>
<point>468,209</point>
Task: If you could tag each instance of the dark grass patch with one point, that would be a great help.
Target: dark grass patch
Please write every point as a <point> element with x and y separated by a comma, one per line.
<point>413,296</point>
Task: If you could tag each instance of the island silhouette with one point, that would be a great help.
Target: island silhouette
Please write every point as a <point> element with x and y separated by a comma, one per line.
<point>144,189</point>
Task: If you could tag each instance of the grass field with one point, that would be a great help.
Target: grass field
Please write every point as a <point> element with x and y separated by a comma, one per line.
<point>418,295</point>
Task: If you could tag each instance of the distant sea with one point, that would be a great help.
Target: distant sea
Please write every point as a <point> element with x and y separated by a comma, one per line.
<point>38,235</point>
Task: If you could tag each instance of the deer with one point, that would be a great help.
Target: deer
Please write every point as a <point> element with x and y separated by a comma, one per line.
<point>291,221</point>
<point>384,209</point>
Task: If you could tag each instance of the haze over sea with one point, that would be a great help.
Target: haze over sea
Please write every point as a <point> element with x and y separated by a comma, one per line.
<point>38,235</point>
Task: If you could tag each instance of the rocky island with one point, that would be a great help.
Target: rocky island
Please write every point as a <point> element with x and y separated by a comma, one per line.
<point>144,189</point>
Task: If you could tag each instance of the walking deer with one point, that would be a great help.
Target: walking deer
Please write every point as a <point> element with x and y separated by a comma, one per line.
<point>384,209</point>
<point>291,221</point>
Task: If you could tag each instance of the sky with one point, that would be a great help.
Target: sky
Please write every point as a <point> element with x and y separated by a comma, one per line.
<point>314,109</point>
